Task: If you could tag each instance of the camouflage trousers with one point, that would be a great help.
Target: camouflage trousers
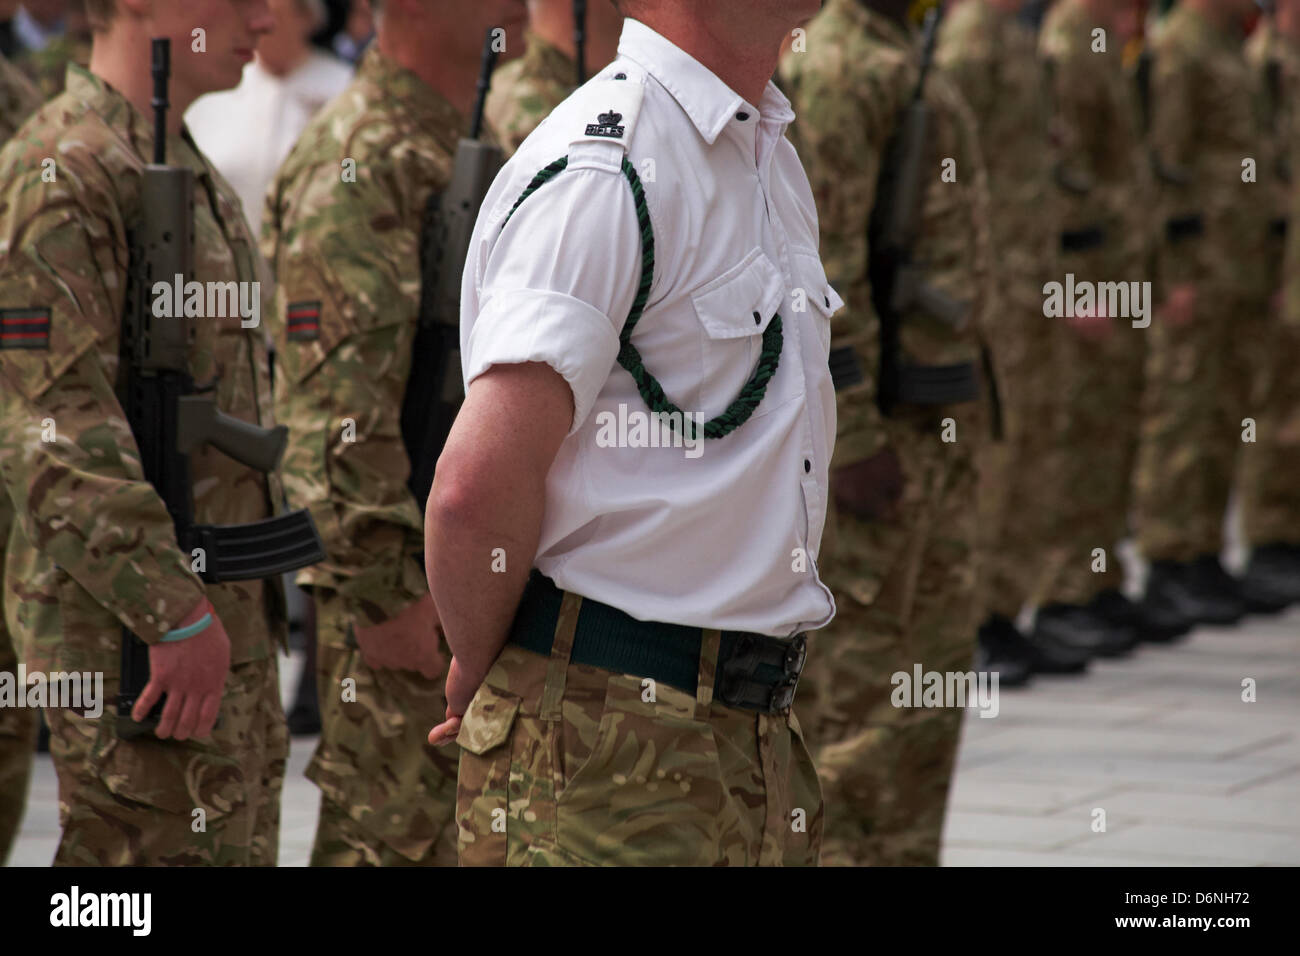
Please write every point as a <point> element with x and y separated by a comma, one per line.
<point>387,797</point>
<point>885,770</point>
<point>151,802</point>
<point>565,764</point>
<point>1101,383</point>
<point>1270,497</point>
<point>18,725</point>
<point>1020,475</point>
<point>1192,410</point>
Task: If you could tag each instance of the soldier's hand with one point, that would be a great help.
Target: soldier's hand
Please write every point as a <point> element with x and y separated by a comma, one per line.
<point>1092,324</point>
<point>869,489</point>
<point>192,673</point>
<point>408,641</point>
<point>460,691</point>
<point>1180,304</point>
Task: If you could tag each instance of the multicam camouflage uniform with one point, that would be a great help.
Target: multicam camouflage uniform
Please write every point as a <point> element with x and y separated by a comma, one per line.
<point>991,58</point>
<point>525,91</point>
<point>18,725</point>
<point>1270,498</point>
<point>904,586</point>
<point>346,252</point>
<point>1103,177</point>
<point>1203,125</point>
<point>93,548</point>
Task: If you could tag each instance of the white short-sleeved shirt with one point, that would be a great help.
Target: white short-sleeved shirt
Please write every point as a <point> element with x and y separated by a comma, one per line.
<point>724,534</point>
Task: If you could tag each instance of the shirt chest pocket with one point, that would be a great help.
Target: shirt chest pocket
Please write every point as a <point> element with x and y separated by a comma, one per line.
<point>735,311</point>
<point>813,294</point>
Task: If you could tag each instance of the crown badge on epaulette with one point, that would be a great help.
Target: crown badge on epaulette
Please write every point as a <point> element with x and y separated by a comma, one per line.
<point>607,125</point>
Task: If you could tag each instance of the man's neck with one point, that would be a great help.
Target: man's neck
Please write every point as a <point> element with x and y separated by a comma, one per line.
<point>557,31</point>
<point>746,66</point>
<point>450,75</point>
<point>122,60</point>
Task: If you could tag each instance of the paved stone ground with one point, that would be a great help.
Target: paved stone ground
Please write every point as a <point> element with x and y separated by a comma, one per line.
<point>1186,772</point>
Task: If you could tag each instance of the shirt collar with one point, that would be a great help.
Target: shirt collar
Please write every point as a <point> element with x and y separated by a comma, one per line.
<point>709,102</point>
<point>119,113</point>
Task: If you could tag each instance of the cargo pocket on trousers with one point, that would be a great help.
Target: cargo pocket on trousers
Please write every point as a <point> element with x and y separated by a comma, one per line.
<point>177,777</point>
<point>482,800</point>
<point>651,791</point>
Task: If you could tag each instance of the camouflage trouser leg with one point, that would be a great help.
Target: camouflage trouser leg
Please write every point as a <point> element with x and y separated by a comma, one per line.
<point>137,803</point>
<point>1102,383</point>
<point>1270,489</point>
<point>387,797</point>
<point>1020,476</point>
<point>564,764</point>
<point>1189,441</point>
<point>886,770</point>
<point>18,725</point>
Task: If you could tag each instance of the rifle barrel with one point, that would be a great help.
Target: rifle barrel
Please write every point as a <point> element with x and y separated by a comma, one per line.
<point>487,65</point>
<point>162,68</point>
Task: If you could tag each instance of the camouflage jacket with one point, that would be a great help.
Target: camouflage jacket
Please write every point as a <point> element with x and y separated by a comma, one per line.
<point>991,57</point>
<point>19,98</point>
<point>1097,140</point>
<point>1204,126</point>
<point>342,230</point>
<point>849,91</point>
<point>526,90</point>
<point>1275,64</point>
<point>92,541</point>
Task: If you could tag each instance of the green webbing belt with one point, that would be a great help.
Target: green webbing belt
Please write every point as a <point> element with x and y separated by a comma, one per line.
<point>628,355</point>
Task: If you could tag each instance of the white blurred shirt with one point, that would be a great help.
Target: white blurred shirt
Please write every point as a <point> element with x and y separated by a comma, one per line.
<point>247,132</point>
<point>727,539</point>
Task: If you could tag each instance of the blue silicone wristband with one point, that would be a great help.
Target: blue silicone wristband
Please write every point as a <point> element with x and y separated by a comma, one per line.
<point>181,633</point>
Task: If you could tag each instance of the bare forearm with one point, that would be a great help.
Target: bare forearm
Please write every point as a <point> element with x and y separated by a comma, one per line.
<point>477,571</point>
<point>485,509</point>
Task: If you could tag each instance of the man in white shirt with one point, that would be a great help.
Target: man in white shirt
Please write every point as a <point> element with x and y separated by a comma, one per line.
<point>628,701</point>
<point>248,131</point>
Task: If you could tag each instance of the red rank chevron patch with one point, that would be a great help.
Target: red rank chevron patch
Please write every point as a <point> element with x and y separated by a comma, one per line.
<point>304,321</point>
<point>25,328</point>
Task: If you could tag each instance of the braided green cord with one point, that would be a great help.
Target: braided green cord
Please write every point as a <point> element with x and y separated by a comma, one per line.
<point>629,357</point>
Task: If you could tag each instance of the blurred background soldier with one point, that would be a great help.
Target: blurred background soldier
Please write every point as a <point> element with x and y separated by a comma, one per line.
<point>94,549</point>
<point>54,33</point>
<point>990,56</point>
<point>1102,184</point>
<point>1270,494</point>
<point>901,534</point>
<point>19,98</point>
<point>1206,147</point>
<point>345,321</point>
<point>248,131</point>
<point>524,92</point>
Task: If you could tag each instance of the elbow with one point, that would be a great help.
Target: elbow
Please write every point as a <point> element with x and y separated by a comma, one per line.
<point>458,501</point>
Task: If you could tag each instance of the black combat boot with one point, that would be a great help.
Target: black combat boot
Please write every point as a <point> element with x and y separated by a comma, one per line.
<point>1084,629</point>
<point>1005,653</point>
<point>1115,607</point>
<point>1272,579</point>
<point>1045,655</point>
<point>1195,591</point>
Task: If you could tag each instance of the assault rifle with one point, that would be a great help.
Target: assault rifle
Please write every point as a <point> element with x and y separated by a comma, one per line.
<point>898,283</point>
<point>171,417</point>
<point>434,389</point>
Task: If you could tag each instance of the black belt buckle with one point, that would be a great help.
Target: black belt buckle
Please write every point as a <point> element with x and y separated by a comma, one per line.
<point>795,657</point>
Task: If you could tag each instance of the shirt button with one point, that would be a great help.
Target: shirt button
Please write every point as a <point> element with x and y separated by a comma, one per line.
<point>742,116</point>
<point>758,319</point>
<point>828,301</point>
<point>807,465</point>
<point>620,76</point>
